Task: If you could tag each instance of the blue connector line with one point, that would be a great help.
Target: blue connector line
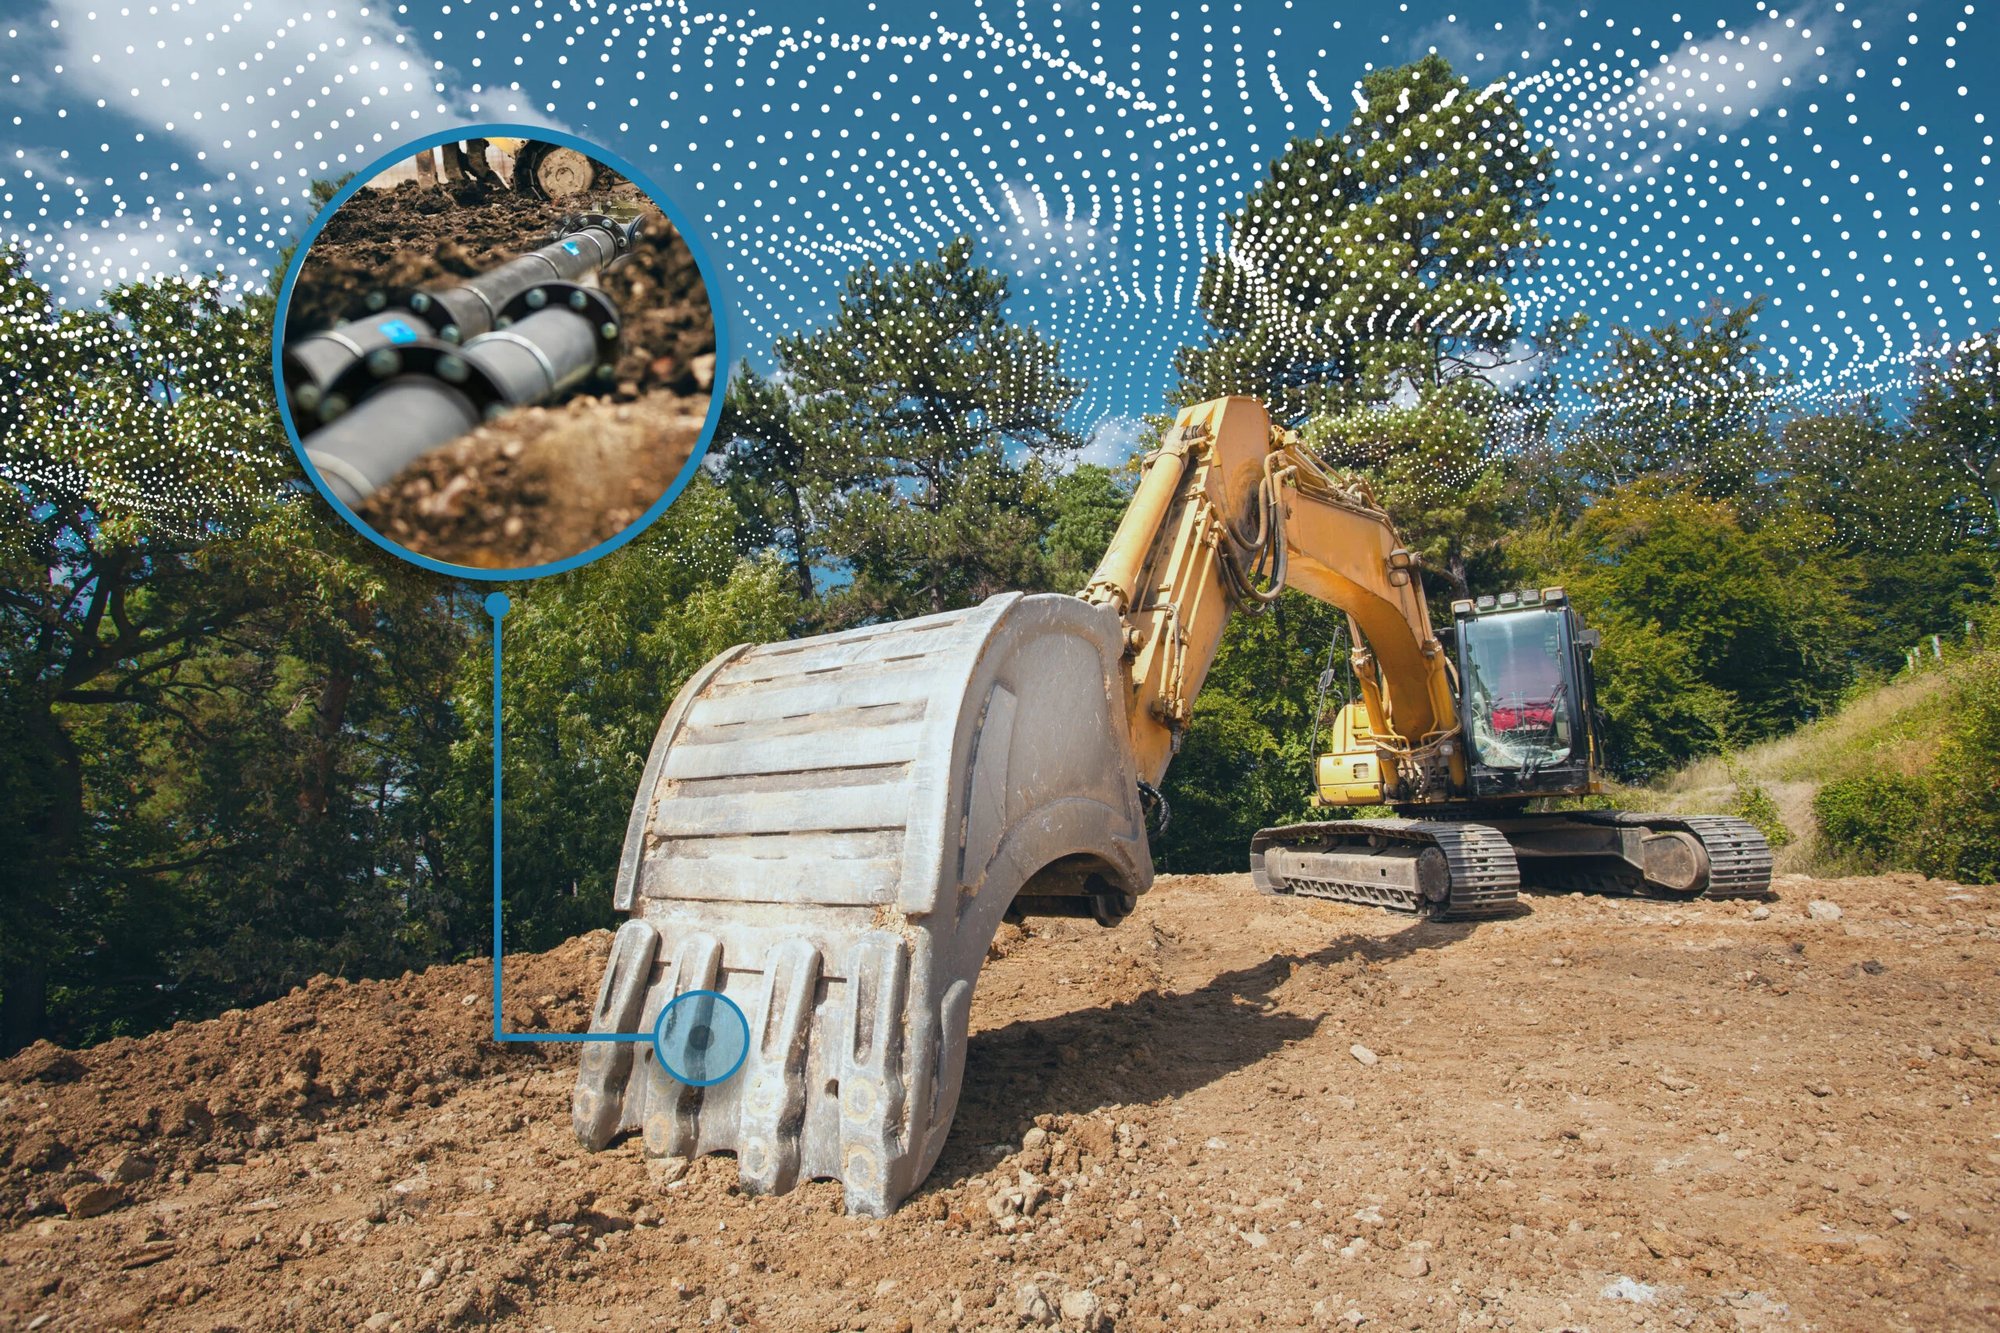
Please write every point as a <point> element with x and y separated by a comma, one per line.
<point>497,606</point>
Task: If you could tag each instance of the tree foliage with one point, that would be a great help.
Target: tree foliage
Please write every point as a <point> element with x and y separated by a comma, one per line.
<point>1715,633</point>
<point>206,702</point>
<point>903,453</point>
<point>1377,255</point>
<point>1430,464</point>
<point>1687,402</point>
<point>592,659</point>
<point>1955,422</point>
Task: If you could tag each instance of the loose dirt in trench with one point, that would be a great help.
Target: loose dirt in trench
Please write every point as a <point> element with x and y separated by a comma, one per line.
<point>1232,1111</point>
<point>541,483</point>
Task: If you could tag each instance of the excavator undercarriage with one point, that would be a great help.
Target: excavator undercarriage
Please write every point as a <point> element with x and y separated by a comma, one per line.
<point>1453,872</point>
<point>1382,862</point>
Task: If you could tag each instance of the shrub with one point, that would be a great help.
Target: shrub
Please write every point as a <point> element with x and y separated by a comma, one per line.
<point>1963,840</point>
<point>1755,804</point>
<point>1874,820</point>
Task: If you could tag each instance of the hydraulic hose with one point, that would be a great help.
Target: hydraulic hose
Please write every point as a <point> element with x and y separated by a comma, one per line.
<point>412,399</point>
<point>584,244</point>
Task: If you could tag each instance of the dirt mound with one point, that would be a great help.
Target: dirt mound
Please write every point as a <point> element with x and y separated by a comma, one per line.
<point>544,483</point>
<point>332,1055</point>
<point>1233,1111</point>
<point>540,483</point>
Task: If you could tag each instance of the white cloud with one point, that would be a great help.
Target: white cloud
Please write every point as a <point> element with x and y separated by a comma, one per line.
<point>1733,74</point>
<point>286,93</point>
<point>247,108</point>
<point>1040,234</point>
<point>1111,442</point>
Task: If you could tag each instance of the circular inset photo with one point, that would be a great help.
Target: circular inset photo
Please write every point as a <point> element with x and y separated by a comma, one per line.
<point>497,354</point>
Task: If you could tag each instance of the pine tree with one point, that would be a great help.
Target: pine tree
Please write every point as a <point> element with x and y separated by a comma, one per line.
<point>906,448</point>
<point>1688,401</point>
<point>1956,418</point>
<point>1377,255</point>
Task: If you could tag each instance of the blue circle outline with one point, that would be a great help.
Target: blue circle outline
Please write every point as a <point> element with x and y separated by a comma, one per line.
<point>716,306</point>
<point>661,1022</point>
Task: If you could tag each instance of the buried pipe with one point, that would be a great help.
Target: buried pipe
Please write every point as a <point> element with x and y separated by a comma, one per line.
<point>584,244</point>
<point>401,402</point>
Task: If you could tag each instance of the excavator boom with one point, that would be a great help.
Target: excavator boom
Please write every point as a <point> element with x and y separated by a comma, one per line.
<point>1226,499</point>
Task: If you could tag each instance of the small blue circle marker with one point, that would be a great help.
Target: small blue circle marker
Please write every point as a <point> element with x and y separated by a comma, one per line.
<point>498,604</point>
<point>701,1038</point>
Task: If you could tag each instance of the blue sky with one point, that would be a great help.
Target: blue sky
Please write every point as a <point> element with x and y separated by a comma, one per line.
<point>1835,157</point>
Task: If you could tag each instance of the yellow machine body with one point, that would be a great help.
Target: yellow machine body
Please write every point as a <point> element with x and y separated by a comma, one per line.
<point>1350,772</point>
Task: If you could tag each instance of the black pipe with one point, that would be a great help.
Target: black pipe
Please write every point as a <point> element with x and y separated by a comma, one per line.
<point>585,244</point>
<point>411,400</point>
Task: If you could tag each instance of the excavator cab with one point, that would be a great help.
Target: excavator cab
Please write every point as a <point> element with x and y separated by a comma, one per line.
<point>1525,694</point>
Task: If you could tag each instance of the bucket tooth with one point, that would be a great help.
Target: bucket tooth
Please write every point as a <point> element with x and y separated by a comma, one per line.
<point>669,1105</point>
<point>872,1092</point>
<point>955,1017</point>
<point>600,1084</point>
<point>774,1100</point>
<point>828,833</point>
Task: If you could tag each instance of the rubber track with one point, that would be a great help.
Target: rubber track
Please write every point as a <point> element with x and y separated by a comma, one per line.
<point>1485,880</point>
<point>1739,859</point>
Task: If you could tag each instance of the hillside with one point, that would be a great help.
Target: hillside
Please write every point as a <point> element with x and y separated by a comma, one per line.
<point>1232,1111</point>
<point>1894,728</point>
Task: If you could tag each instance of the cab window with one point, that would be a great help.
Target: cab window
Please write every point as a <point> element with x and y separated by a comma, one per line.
<point>1516,690</point>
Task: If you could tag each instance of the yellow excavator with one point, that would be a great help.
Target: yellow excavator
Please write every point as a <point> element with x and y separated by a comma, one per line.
<point>830,830</point>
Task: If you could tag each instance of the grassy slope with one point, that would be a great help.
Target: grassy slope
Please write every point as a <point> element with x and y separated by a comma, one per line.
<point>1894,728</point>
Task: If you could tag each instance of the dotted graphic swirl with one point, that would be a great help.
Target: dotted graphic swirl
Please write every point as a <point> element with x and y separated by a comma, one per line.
<point>1834,161</point>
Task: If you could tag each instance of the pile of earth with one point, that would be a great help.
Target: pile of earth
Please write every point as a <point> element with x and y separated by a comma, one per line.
<point>1232,1111</point>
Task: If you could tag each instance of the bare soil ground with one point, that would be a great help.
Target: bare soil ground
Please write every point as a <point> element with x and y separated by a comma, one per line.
<point>1231,1112</point>
<point>541,483</point>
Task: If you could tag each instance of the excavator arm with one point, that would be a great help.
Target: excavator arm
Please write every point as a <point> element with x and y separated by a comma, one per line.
<point>1226,501</point>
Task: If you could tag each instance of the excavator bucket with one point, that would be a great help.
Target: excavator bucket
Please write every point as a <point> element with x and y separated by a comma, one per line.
<point>828,833</point>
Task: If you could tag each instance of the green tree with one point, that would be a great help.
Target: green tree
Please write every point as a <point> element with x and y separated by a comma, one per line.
<point>771,476</point>
<point>1880,485</point>
<point>1376,256</point>
<point>104,411</point>
<point>1956,420</point>
<point>1898,509</point>
<point>592,660</point>
<point>909,443</point>
<point>1689,402</point>
<point>1085,505</point>
<point>1961,833</point>
<point>1659,710</point>
<point>1713,633</point>
<point>1429,464</point>
<point>212,698</point>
